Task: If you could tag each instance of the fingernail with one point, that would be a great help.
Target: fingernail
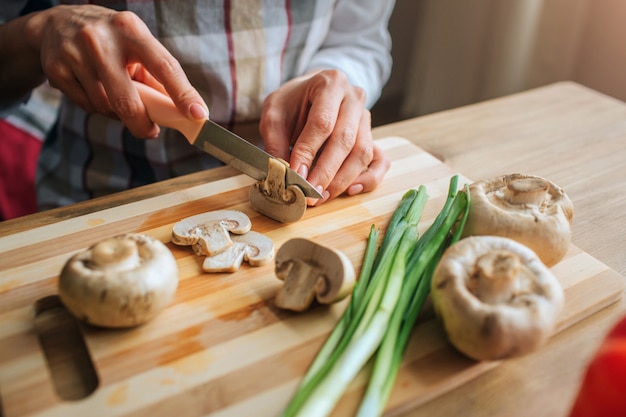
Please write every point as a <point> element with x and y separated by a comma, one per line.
<point>198,111</point>
<point>303,171</point>
<point>154,135</point>
<point>325,196</point>
<point>316,201</point>
<point>355,189</point>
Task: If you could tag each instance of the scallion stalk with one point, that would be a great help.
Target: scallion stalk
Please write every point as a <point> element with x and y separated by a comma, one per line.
<point>422,263</point>
<point>384,306</point>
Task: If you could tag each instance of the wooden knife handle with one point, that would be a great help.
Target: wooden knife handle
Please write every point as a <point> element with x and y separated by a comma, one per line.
<point>162,111</point>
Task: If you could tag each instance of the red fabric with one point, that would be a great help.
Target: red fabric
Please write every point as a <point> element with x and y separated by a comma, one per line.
<point>18,162</point>
<point>603,389</point>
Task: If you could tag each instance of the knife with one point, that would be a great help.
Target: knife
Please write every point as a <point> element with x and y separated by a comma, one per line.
<point>216,140</point>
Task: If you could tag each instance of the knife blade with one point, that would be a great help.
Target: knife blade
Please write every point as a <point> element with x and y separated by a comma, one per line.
<point>217,141</point>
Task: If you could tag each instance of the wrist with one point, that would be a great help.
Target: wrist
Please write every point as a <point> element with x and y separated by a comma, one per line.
<point>33,26</point>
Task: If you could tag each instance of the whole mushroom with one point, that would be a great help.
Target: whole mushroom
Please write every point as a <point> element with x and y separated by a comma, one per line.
<point>122,281</point>
<point>529,209</point>
<point>495,297</point>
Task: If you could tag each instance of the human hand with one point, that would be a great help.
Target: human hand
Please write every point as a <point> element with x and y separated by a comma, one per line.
<point>319,123</point>
<point>92,54</point>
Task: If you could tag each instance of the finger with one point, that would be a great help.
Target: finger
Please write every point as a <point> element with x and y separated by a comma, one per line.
<point>138,73</point>
<point>274,127</point>
<point>355,163</point>
<point>73,90</point>
<point>83,67</point>
<point>163,66</point>
<point>186,98</point>
<point>59,69</point>
<point>347,151</point>
<point>94,92</point>
<point>321,119</point>
<point>373,176</point>
<point>127,105</point>
<point>111,61</point>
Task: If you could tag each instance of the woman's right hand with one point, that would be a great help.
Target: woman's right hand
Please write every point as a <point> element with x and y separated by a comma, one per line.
<point>92,54</point>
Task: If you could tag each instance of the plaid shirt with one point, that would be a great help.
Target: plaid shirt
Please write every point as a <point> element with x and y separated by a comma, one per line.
<point>234,52</point>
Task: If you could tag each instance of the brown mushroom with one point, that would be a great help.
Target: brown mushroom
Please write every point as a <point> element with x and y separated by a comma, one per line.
<point>122,281</point>
<point>526,208</point>
<point>273,198</point>
<point>252,247</point>
<point>210,232</point>
<point>495,297</point>
<point>311,271</point>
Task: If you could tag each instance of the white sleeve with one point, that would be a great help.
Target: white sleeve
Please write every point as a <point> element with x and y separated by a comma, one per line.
<point>359,44</point>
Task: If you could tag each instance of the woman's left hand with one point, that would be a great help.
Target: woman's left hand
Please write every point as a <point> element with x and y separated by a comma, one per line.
<point>319,124</point>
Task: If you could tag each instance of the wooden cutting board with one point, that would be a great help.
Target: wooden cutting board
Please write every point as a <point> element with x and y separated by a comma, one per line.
<point>222,348</point>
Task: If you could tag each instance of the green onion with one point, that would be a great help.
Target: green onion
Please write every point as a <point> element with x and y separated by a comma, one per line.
<point>357,294</point>
<point>393,283</point>
<point>421,265</point>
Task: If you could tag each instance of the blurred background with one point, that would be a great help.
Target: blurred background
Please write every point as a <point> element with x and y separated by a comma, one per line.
<point>449,53</point>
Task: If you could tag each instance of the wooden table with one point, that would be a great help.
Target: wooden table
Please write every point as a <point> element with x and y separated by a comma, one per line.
<point>565,132</point>
<point>577,138</point>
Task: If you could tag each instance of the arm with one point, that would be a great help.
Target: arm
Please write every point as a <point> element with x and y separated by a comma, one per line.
<point>20,68</point>
<point>358,43</point>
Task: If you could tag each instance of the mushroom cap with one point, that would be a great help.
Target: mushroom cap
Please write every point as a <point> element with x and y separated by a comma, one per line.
<point>529,209</point>
<point>495,297</point>
<point>252,247</point>
<point>289,210</point>
<point>312,271</point>
<point>122,281</point>
<point>210,230</point>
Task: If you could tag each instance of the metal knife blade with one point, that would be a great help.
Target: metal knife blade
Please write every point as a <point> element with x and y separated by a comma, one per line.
<point>244,156</point>
<point>216,140</point>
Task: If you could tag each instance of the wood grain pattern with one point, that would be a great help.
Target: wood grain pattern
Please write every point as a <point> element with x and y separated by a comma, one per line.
<point>566,132</point>
<point>222,348</point>
<point>577,137</point>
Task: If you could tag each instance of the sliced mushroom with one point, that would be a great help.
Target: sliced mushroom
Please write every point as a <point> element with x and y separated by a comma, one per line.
<point>209,232</point>
<point>311,271</point>
<point>526,208</point>
<point>495,297</point>
<point>252,247</point>
<point>122,281</point>
<point>273,198</point>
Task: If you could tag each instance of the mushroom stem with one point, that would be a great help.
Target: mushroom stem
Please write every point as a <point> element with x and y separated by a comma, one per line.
<point>210,233</point>
<point>530,191</point>
<point>276,199</point>
<point>311,272</point>
<point>322,286</point>
<point>275,185</point>
<point>298,292</point>
<point>496,276</point>
<point>115,254</point>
